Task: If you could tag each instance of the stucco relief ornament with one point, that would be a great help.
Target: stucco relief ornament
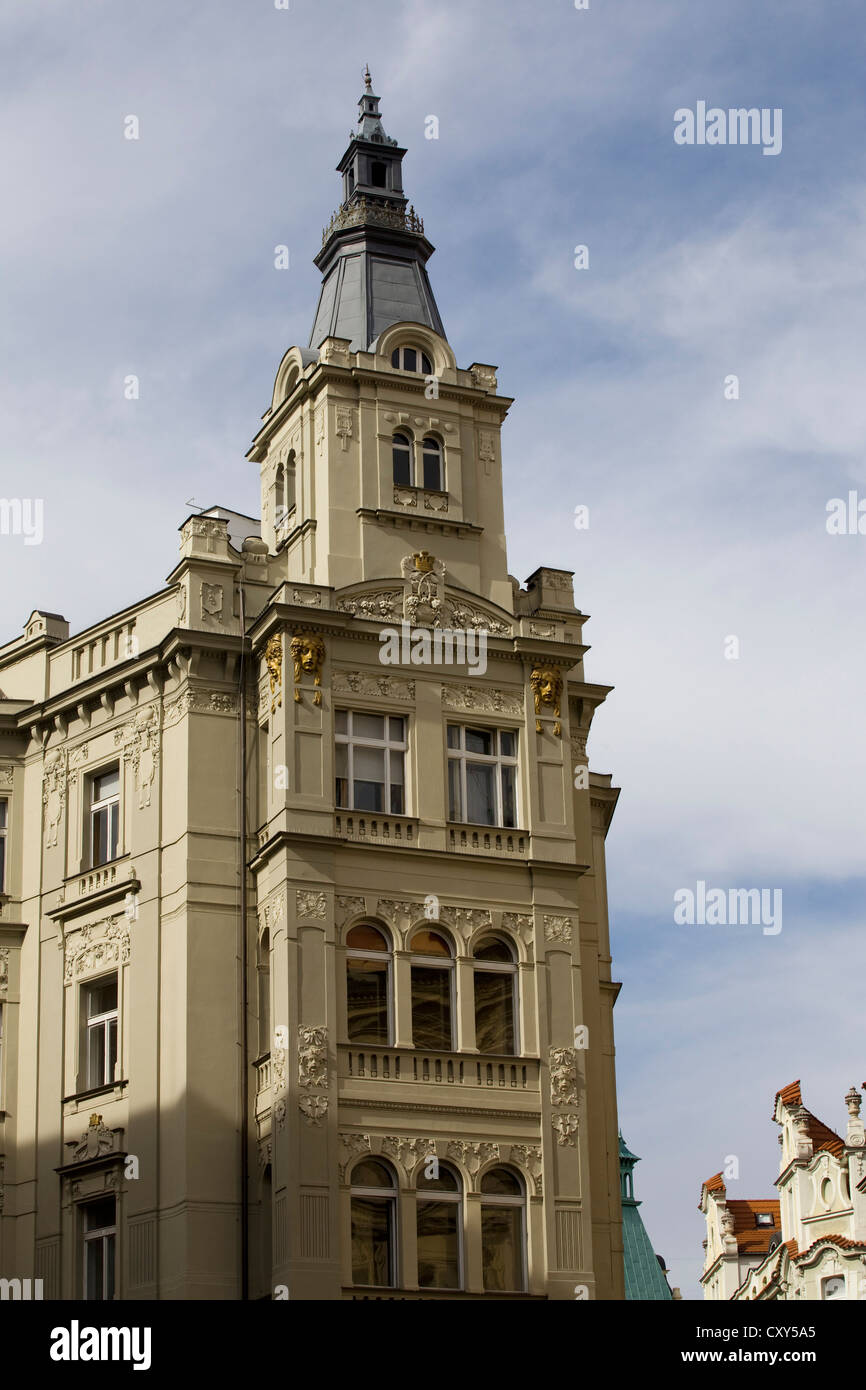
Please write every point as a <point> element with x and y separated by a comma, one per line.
<point>558,929</point>
<point>312,1056</point>
<point>378,605</point>
<point>546,682</point>
<point>97,945</point>
<point>313,1108</point>
<point>212,602</point>
<point>408,1152</point>
<point>96,1141</point>
<point>274,663</point>
<point>529,1158</point>
<point>142,750</point>
<point>473,1156</point>
<point>308,655</point>
<point>351,1146</point>
<point>54,794</point>
<point>311,905</point>
<point>424,596</point>
<point>348,907</point>
<point>4,971</point>
<point>344,426</point>
<point>6,770</point>
<point>563,1076</point>
<point>566,1128</point>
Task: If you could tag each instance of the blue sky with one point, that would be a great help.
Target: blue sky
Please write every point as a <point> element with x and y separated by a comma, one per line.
<point>707,516</point>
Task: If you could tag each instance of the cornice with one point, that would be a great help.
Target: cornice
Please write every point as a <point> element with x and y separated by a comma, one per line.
<point>532,1112</point>
<point>429,522</point>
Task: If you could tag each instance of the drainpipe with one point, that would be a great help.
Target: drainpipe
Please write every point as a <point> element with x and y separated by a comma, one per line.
<point>245,1062</point>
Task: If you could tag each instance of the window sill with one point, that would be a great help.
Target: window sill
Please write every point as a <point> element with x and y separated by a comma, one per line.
<point>114,1090</point>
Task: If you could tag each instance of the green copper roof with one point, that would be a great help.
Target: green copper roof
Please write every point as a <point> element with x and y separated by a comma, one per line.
<point>644,1279</point>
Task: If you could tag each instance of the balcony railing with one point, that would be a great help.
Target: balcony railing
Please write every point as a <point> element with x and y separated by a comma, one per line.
<point>437,1068</point>
<point>364,211</point>
<point>474,839</point>
<point>371,828</point>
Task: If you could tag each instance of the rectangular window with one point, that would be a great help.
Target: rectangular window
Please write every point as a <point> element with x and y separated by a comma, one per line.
<point>502,1248</point>
<point>4,814</point>
<point>370,762</point>
<point>101,1022</point>
<point>439,1245</point>
<point>104,816</point>
<point>482,776</point>
<point>100,1237</point>
<point>494,1011</point>
<point>367,995</point>
<point>431,1007</point>
<point>372,1242</point>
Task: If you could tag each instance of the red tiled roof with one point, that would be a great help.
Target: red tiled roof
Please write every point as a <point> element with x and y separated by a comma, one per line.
<point>843,1243</point>
<point>753,1239</point>
<point>714,1184</point>
<point>790,1095</point>
<point>821,1135</point>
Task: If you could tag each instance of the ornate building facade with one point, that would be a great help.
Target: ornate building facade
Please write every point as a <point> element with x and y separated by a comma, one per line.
<point>304,956</point>
<point>810,1241</point>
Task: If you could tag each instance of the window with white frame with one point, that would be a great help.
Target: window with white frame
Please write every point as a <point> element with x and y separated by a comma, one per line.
<point>370,757</point>
<point>104,816</point>
<point>374,1225</point>
<point>418,465</point>
<point>99,1239</point>
<point>4,821</point>
<point>411,359</point>
<point>482,776</point>
<point>495,972</point>
<point>432,974</point>
<point>439,1218</point>
<point>368,985</point>
<point>100,1012</point>
<point>503,1231</point>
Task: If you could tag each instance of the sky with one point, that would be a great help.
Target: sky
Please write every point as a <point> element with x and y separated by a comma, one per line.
<point>741,762</point>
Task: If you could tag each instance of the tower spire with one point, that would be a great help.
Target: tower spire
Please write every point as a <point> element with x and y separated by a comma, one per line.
<point>373,250</point>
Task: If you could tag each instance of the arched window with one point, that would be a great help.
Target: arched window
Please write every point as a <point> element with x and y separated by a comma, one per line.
<point>440,1227</point>
<point>411,359</point>
<point>495,997</point>
<point>374,1225</point>
<point>368,985</point>
<point>431,454</point>
<point>280,496</point>
<point>263,972</point>
<point>401,452</point>
<point>503,1231</point>
<point>432,991</point>
<point>378,174</point>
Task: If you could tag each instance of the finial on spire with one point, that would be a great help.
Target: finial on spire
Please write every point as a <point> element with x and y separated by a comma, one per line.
<point>368,81</point>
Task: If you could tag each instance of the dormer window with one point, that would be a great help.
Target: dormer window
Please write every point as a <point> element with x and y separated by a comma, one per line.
<point>410,359</point>
<point>764,1218</point>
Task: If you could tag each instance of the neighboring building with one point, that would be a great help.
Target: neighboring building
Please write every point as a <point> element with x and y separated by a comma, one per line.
<point>645,1273</point>
<point>349,1034</point>
<point>810,1242</point>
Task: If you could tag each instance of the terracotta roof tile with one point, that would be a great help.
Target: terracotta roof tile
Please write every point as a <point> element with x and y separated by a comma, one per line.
<point>842,1241</point>
<point>822,1137</point>
<point>790,1094</point>
<point>714,1184</point>
<point>753,1239</point>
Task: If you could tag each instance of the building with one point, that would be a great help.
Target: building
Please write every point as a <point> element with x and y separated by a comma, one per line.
<point>645,1273</point>
<point>810,1241</point>
<point>347,1033</point>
